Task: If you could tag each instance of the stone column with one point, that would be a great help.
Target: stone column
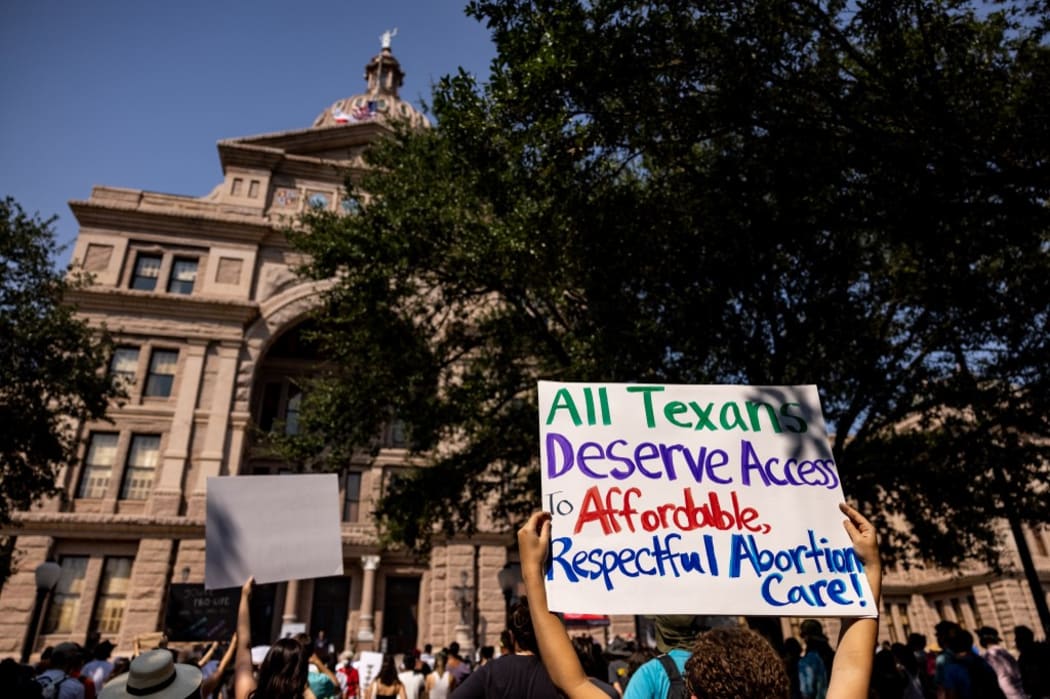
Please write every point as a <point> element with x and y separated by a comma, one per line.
<point>291,602</point>
<point>168,491</point>
<point>214,450</point>
<point>366,635</point>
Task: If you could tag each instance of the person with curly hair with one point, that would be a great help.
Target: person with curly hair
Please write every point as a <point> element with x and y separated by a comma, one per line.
<point>738,659</point>
<point>735,662</point>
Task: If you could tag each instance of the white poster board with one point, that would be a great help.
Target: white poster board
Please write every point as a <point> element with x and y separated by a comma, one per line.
<point>673,499</point>
<point>368,668</point>
<point>272,527</point>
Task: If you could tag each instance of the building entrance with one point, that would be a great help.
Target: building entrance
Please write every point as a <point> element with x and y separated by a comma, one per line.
<point>400,614</point>
<point>330,608</point>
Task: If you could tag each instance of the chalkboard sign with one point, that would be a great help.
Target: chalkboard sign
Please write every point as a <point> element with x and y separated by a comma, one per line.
<point>196,614</point>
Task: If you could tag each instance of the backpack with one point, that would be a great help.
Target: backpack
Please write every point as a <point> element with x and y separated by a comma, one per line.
<point>677,688</point>
<point>48,686</point>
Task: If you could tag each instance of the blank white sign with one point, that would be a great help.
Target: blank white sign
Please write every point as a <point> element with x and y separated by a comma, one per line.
<point>273,528</point>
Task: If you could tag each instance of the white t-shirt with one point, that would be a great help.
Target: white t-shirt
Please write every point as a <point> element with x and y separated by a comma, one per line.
<point>413,682</point>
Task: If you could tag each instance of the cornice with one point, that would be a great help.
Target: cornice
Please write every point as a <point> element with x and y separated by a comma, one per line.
<point>107,527</point>
<point>206,226</point>
<point>118,302</point>
<point>314,138</point>
<point>93,525</point>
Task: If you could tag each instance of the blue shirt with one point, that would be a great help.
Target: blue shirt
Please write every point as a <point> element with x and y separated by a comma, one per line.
<point>650,681</point>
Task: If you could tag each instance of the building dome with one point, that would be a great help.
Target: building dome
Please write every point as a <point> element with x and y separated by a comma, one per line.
<point>380,102</point>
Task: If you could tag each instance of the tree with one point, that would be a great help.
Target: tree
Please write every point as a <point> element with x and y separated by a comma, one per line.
<point>768,192</point>
<point>53,369</point>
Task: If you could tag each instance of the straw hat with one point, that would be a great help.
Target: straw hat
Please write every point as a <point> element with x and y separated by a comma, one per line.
<point>156,675</point>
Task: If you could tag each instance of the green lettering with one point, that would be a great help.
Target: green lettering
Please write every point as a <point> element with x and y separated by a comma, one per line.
<point>756,422</point>
<point>563,401</point>
<point>647,391</point>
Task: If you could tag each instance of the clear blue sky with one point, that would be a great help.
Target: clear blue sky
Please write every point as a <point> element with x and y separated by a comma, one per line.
<point>136,94</point>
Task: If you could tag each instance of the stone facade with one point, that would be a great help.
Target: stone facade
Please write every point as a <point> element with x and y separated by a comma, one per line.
<point>201,297</point>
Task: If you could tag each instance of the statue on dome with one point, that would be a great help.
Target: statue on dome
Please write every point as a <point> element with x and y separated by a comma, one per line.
<point>385,37</point>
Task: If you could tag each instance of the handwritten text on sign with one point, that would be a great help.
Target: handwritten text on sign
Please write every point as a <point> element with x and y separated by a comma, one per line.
<point>694,499</point>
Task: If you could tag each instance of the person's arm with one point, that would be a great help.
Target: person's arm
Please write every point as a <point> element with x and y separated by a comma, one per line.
<point>211,683</point>
<point>243,677</point>
<point>556,651</point>
<point>855,655</point>
<point>207,656</point>
<point>321,667</point>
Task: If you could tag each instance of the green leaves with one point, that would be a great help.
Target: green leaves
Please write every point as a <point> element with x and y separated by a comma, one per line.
<point>52,365</point>
<point>765,192</point>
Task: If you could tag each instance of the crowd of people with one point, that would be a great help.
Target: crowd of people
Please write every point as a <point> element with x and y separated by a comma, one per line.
<point>537,658</point>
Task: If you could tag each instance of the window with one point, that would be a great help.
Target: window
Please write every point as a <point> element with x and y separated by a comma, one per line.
<point>183,275</point>
<point>1038,541</point>
<point>291,413</point>
<point>98,465</point>
<point>161,373</point>
<point>238,185</point>
<point>147,270</point>
<point>281,403</point>
<point>142,464</point>
<point>253,189</point>
<point>125,364</point>
<point>961,608</point>
<point>65,602</point>
<point>896,620</point>
<point>352,496</point>
<point>112,594</point>
<point>395,434</point>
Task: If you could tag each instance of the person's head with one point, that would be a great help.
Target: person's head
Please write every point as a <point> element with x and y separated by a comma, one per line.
<point>584,652</point>
<point>388,670</point>
<point>102,651</point>
<point>440,663</point>
<point>521,627</point>
<point>453,649</point>
<point>916,641</point>
<point>960,642</point>
<point>1023,637</point>
<point>676,631</point>
<point>988,636</point>
<point>155,675</point>
<point>506,642</point>
<point>487,653</point>
<point>284,671</point>
<point>636,659</point>
<point>120,666</point>
<point>944,630</point>
<point>792,648</point>
<point>734,662</point>
<point>428,649</point>
<point>812,631</point>
<point>66,657</point>
<point>905,657</point>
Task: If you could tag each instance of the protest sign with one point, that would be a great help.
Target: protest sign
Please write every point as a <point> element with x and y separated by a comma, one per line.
<point>672,499</point>
<point>272,527</point>
<point>196,614</point>
<point>368,667</point>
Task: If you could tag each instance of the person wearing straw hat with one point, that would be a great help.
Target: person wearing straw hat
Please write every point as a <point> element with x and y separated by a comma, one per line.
<point>155,675</point>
